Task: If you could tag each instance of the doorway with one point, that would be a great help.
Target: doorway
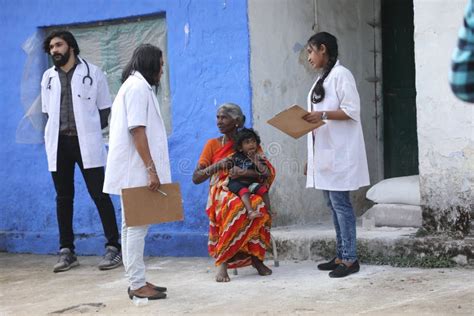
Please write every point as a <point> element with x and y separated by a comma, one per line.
<point>399,92</point>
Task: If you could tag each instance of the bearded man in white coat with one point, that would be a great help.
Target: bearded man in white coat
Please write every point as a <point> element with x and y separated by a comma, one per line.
<point>75,97</point>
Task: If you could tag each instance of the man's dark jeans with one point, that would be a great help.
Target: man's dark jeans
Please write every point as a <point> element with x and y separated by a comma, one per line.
<point>69,154</point>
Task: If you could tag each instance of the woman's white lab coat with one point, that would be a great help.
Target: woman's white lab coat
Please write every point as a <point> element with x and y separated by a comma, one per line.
<point>135,105</point>
<point>337,159</point>
<point>87,101</point>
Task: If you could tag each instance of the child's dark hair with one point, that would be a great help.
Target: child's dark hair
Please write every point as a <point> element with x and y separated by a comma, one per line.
<point>330,41</point>
<point>243,134</point>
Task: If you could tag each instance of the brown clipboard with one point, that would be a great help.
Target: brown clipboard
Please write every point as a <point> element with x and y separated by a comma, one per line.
<point>290,122</point>
<point>143,206</point>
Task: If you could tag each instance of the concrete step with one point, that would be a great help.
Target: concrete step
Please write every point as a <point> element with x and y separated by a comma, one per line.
<point>397,246</point>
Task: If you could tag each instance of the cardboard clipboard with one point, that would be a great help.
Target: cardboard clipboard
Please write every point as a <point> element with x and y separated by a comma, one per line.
<point>143,206</point>
<point>290,122</point>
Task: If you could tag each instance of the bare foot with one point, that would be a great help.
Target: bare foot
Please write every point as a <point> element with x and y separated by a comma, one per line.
<point>261,268</point>
<point>254,214</point>
<point>222,275</point>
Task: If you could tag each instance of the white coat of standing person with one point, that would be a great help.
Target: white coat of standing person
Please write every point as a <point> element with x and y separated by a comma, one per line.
<point>138,155</point>
<point>75,97</point>
<point>337,161</point>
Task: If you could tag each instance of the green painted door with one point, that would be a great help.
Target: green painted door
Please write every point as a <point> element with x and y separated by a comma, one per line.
<point>399,93</point>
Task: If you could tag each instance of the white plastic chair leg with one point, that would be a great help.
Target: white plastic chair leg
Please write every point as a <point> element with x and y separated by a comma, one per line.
<point>275,252</point>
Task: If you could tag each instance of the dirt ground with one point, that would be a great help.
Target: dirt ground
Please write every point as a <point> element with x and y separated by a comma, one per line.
<point>29,287</point>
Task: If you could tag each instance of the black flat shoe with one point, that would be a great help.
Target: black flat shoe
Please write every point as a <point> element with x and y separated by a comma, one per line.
<point>342,270</point>
<point>328,266</point>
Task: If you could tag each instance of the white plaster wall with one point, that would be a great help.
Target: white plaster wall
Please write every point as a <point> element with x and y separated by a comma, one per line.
<point>445,124</point>
<point>281,77</point>
<point>360,46</point>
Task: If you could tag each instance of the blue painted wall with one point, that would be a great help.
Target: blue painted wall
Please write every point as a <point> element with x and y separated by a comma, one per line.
<point>206,68</point>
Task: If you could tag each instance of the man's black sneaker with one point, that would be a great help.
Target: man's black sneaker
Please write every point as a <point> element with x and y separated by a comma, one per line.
<point>328,266</point>
<point>342,270</point>
<point>112,259</point>
<point>66,261</point>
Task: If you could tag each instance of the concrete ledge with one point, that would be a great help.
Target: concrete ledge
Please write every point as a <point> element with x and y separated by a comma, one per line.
<point>381,245</point>
<point>176,244</point>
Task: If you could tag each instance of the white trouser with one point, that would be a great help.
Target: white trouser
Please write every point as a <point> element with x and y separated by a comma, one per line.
<point>133,247</point>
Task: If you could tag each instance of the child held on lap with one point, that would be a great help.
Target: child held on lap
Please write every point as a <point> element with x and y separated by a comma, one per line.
<point>243,181</point>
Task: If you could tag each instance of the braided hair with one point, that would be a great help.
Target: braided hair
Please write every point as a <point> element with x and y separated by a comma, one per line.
<point>330,41</point>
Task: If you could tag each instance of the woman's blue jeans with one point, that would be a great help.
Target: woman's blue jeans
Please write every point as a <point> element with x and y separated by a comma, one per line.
<point>344,222</point>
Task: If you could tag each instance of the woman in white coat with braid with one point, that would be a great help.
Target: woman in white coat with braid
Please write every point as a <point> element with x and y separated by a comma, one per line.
<point>337,161</point>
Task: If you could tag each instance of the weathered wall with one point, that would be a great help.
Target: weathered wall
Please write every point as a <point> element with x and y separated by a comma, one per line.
<point>356,24</point>
<point>208,64</point>
<point>445,124</point>
<point>280,77</point>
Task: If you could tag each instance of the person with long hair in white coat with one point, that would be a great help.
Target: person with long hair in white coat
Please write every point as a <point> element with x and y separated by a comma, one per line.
<point>337,161</point>
<point>138,155</point>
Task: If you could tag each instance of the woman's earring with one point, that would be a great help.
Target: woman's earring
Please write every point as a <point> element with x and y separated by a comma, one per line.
<point>236,125</point>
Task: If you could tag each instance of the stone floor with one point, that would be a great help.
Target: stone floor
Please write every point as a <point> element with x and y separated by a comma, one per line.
<point>394,245</point>
<point>29,287</point>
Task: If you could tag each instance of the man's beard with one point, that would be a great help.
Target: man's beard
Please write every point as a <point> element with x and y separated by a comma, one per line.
<point>59,62</point>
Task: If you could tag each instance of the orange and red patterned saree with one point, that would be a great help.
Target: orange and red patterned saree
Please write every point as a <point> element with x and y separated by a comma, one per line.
<point>233,238</point>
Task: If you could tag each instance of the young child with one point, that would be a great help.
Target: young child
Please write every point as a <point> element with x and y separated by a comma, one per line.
<point>248,171</point>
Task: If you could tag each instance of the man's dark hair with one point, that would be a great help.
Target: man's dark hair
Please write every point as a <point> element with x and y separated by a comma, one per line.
<point>66,36</point>
<point>244,134</point>
<point>146,59</point>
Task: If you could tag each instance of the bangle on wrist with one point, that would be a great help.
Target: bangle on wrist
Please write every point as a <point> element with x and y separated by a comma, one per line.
<point>151,168</point>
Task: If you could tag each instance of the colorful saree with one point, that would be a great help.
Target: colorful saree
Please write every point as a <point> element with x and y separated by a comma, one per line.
<point>233,238</point>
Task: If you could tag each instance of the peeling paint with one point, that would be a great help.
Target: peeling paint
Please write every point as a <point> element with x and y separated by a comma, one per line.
<point>186,34</point>
<point>445,130</point>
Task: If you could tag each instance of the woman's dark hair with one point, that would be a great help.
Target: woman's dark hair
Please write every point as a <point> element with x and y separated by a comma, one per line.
<point>244,134</point>
<point>66,36</point>
<point>330,41</point>
<point>146,59</point>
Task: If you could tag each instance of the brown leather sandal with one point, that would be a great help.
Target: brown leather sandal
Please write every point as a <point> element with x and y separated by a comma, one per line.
<point>146,292</point>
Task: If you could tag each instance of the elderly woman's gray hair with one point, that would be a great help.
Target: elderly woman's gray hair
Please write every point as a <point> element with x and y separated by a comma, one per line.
<point>234,111</point>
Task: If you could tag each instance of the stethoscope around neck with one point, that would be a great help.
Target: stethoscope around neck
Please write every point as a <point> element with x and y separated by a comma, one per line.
<point>84,79</point>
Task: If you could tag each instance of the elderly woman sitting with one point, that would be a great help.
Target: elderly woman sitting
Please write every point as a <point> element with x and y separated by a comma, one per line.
<point>234,240</point>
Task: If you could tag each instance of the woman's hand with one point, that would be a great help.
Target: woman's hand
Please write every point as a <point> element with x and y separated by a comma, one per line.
<point>259,160</point>
<point>153,181</point>
<point>141,144</point>
<point>313,117</point>
<point>225,163</point>
<point>255,156</point>
<point>236,172</point>
<point>201,174</point>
